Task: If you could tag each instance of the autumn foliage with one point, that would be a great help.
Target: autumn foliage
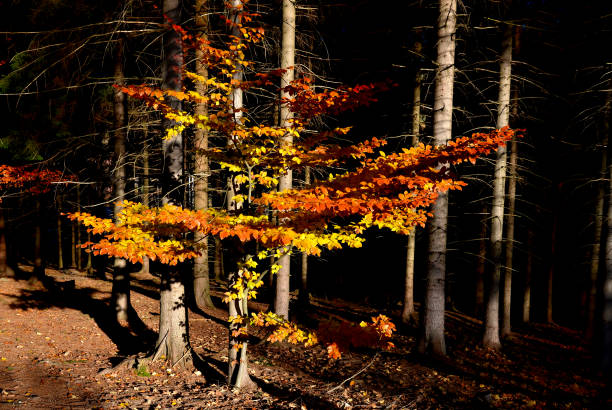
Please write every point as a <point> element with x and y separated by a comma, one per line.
<point>383,190</point>
<point>31,179</point>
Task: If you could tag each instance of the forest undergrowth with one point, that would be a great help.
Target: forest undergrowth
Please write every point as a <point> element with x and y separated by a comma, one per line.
<point>58,347</point>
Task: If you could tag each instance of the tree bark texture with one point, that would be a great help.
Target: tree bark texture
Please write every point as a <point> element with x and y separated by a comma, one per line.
<point>201,271</point>
<point>432,338</point>
<point>409,313</point>
<point>304,297</point>
<point>492,332</point>
<point>281,301</point>
<point>528,276</point>
<point>121,278</point>
<point>60,251</point>
<point>597,237</point>
<point>607,292</point>
<point>173,339</point>
<point>512,179</point>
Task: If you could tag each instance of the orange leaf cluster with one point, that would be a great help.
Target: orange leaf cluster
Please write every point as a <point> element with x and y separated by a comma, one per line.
<point>34,180</point>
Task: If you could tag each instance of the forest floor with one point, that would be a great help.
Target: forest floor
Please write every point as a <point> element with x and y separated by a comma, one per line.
<point>54,343</point>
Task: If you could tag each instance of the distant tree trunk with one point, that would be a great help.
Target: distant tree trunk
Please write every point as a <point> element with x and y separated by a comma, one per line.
<point>79,250</point>
<point>409,313</point>
<point>551,269</point>
<point>512,177</point>
<point>481,266</point>
<point>491,333</point>
<point>145,193</point>
<point>218,262</point>
<point>173,339</point>
<point>607,291</point>
<point>39,261</point>
<point>597,237</point>
<point>5,270</point>
<point>432,338</point>
<point>120,294</point>
<point>528,276</point>
<point>60,251</point>
<point>201,272</point>
<point>304,298</point>
<point>281,302</point>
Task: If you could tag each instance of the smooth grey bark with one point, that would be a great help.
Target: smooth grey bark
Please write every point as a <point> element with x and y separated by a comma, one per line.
<point>432,338</point>
<point>491,337</point>
<point>201,271</point>
<point>509,267</point>
<point>173,340</point>
<point>409,312</point>
<point>238,374</point>
<point>281,301</point>
<point>120,294</point>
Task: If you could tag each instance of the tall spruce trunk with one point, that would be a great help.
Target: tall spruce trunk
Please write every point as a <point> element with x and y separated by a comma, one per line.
<point>281,301</point>
<point>432,338</point>
<point>201,271</point>
<point>492,332</point>
<point>409,313</point>
<point>120,294</point>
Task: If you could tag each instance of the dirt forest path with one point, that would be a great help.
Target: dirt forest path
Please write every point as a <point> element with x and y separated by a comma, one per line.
<point>54,343</point>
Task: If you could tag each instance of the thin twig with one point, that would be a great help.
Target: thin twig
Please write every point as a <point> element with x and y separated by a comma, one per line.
<point>355,375</point>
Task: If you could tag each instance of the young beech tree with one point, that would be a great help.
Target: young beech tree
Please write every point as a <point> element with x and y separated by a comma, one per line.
<point>381,190</point>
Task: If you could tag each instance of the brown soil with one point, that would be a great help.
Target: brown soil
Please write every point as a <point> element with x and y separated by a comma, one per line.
<point>54,343</point>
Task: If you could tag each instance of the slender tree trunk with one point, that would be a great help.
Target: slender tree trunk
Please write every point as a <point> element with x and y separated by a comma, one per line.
<point>281,302</point>
<point>304,298</point>
<point>218,262</point>
<point>5,269</point>
<point>551,270</point>
<point>481,266</point>
<point>145,192</point>
<point>528,276</point>
<point>409,313</point>
<point>512,179</point>
<point>201,271</point>
<point>607,292</point>
<point>597,236</point>
<point>79,250</point>
<point>120,294</point>
<point>491,333</point>
<point>73,244</point>
<point>60,251</point>
<point>432,338</point>
<point>238,374</point>
<point>39,261</point>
